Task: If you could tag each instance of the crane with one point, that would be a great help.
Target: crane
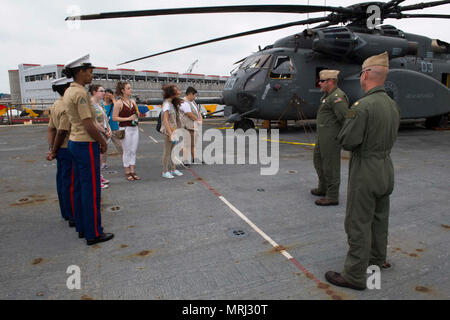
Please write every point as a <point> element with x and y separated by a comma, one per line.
<point>192,67</point>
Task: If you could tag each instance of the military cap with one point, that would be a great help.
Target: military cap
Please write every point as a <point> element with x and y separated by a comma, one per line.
<point>329,74</point>
<point>80,62</point>
<point>378,60</point>
<point>61,81</point>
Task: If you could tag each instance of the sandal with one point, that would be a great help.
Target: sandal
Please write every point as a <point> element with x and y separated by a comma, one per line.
<point>129,177</point>
<point>135,177</point>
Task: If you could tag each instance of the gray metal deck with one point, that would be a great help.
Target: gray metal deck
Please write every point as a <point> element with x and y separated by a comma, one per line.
<point>172,238</point>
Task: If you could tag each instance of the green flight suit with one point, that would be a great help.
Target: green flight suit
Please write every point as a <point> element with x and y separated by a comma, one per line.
<point>369,132</point>
<point>327,152</point>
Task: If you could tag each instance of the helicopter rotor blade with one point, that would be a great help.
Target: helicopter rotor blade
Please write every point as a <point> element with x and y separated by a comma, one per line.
<point>402,16</point>
<point>324,25</point>
<point>217,9</point>
<point>424,5</point>
<point>236,35</point>
<point>392,4</point>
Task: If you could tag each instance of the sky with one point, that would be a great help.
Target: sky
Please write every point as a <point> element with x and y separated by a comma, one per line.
<point>35,32</point>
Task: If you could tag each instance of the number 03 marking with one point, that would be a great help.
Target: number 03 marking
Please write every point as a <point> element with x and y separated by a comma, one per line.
<point>427,67</point>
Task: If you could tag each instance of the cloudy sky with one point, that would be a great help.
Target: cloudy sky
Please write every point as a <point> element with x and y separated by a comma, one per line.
<point>35,32</point>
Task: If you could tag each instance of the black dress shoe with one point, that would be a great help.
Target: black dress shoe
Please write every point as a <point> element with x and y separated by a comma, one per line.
<point>338,280</point>
<point>325,203</point>
<point>81,235</point>
<point>72,224</point>
<point>317,192</point>
<point>103,238</point>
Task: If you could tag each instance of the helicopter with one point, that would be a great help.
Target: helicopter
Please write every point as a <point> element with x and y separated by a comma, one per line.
<point>280,81</point>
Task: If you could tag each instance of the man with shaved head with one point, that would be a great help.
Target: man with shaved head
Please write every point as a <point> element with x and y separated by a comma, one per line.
<point>369,132</point>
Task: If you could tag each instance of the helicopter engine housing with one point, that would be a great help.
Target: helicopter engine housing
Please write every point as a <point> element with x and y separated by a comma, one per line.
<point>341,42</point>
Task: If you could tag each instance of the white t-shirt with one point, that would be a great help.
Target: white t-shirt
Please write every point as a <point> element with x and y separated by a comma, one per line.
<point>168,106</point>
<point>186,107</point>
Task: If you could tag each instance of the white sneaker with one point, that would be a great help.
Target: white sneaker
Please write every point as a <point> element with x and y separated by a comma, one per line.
<point>176,173</point>
<point>167,175</point>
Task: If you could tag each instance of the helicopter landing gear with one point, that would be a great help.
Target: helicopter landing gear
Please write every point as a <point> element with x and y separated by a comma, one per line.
<point>437,122</point>
<point>244,124</point>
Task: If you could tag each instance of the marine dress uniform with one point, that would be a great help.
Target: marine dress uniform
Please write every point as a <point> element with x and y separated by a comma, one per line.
<point>86,158</point>
<point>327,152</point>
<point>370,132</point>
<point>64,173</point>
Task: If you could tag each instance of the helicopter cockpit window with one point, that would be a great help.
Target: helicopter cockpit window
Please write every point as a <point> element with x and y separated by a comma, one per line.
<point>283,68</point>
<point>257,62</point>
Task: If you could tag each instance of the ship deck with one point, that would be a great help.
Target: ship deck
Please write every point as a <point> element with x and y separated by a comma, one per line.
<point>220,231</point>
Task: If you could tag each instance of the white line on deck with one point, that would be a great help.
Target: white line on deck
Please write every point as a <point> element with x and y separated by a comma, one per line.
<point>153,139</point>
<point>255,227</point>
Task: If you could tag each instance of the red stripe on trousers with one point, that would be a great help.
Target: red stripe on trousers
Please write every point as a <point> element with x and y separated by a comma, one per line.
<point>94,185</point>
<point>71,194</point>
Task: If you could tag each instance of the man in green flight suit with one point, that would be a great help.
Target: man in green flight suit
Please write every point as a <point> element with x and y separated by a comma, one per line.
<point>327,153</point>
<point>369,132</point>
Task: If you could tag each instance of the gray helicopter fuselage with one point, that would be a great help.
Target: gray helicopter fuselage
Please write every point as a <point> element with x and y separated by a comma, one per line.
<point>281,82</point>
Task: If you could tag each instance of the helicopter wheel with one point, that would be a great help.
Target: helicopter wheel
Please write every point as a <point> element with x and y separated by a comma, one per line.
<point>244,124</point>
<point>437,122</point>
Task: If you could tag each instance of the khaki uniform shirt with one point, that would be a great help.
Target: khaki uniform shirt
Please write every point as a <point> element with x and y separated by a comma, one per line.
<point>59,120</point>
<point>79,107</point>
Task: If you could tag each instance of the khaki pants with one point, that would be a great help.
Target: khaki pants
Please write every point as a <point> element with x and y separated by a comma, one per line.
<point>167,154</point>
<point>192,138</point>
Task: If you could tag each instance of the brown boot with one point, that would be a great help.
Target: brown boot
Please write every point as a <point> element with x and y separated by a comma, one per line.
<point>316,192</point>
<point>338,280</point>
<point>325,202</point>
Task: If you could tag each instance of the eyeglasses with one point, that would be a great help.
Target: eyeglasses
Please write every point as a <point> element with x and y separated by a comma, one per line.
<point>101,91</point>
<point>360,74</point>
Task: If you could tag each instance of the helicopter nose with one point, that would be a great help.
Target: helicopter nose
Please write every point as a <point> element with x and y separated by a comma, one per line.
<point>245,101</point>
